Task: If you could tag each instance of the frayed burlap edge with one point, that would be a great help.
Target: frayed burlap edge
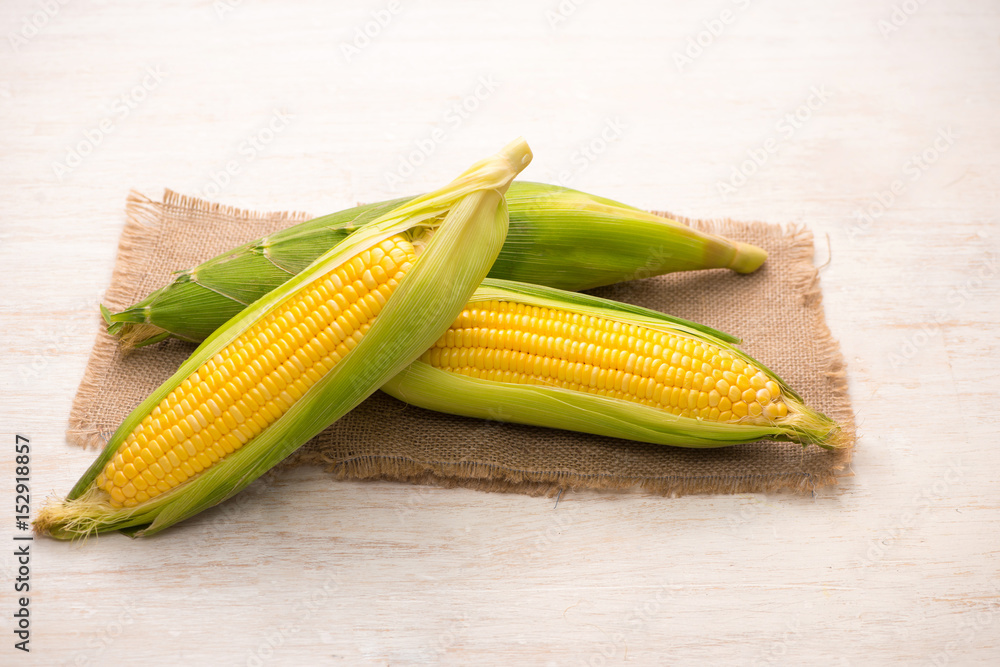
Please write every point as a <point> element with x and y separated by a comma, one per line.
<point>142,226</point>
<point>500,479</point>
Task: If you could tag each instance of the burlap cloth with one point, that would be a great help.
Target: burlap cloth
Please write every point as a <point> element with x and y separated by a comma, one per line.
<point>777,311</point>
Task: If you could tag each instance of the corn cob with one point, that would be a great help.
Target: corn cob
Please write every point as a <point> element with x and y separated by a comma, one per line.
<point>536,355</point>
<point>558,237</point>
<point>296,360</point>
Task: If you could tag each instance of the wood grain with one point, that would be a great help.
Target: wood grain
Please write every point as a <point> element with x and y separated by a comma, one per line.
<point>897,565</point>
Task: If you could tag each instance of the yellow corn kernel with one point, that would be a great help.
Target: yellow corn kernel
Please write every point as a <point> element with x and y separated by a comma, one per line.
<point>256,378</point>
<point>510,342</point>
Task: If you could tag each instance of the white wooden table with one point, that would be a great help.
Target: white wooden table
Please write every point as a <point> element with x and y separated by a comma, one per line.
<point>876,127</point>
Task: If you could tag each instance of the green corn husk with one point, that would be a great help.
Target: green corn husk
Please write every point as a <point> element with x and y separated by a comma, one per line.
<point>436,389</point>
<point>558,237</point>
<point>464,226</point>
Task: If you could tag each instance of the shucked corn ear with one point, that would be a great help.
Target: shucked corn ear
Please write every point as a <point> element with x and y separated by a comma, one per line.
<point>536,355</point>
<point>558,237</point>
<point>296,360</point>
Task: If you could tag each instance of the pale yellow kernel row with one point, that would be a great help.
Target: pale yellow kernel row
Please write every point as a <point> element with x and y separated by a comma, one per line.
<point>512,342</point>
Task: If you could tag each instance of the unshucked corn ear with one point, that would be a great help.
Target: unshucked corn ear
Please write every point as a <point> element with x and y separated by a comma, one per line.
<point>296,360</point>
<point>558,237</point>
<point>572,240</point>
<point>534,355</point>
